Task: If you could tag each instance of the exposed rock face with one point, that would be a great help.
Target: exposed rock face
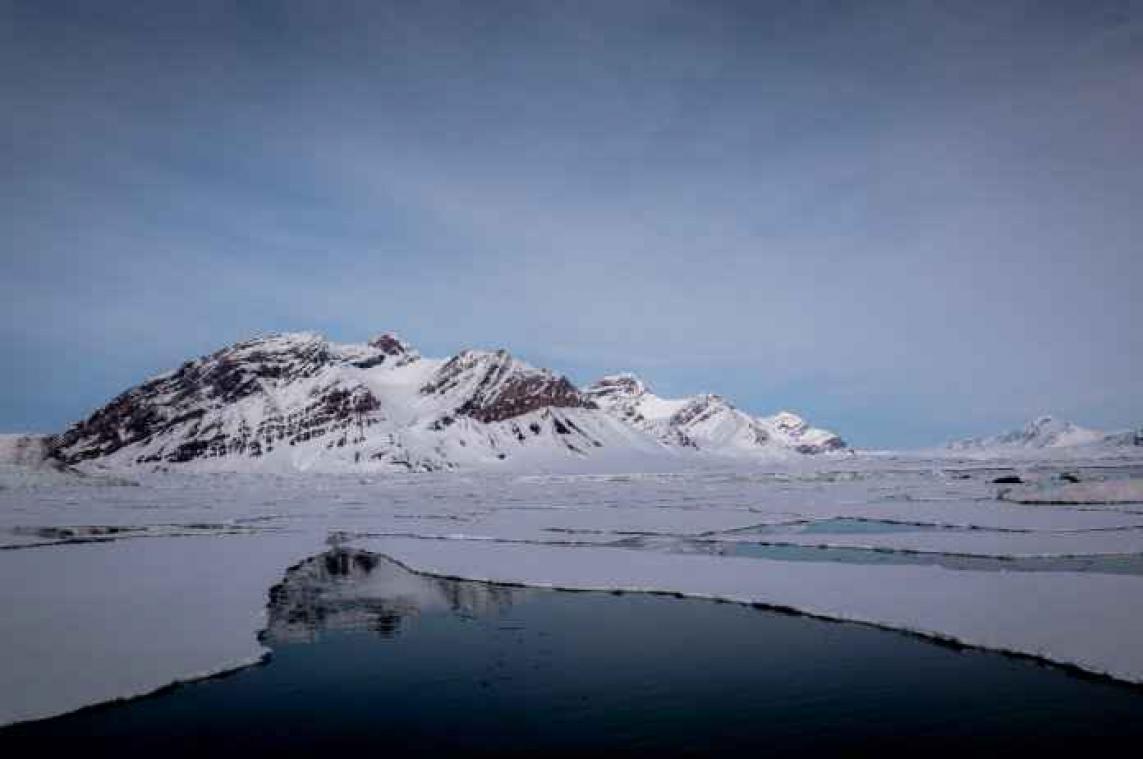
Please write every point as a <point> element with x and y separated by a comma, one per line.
<point>226,404</point>
<point>303,401</point>
<point>387,349</point>
<point>618,390</point>
<point>494,387</point>
<point>391,345</point>
<point>707,422</point>
<point>298,401</point>
<point>805,439</point>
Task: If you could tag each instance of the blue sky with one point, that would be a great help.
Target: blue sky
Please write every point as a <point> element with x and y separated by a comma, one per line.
<point>908,220</point>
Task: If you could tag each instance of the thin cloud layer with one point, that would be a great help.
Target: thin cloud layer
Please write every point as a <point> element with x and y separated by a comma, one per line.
<point>909,220</point>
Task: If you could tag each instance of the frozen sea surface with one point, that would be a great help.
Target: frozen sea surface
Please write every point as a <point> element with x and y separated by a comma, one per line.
<point>93,622</point>
<point>370,657</point>
<point>120,589</point>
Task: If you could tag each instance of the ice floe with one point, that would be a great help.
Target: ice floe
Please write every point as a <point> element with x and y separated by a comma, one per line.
<point>119,590</point>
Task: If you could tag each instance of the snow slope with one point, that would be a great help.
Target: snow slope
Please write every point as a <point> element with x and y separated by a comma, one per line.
<point>297,402</point>
<point>708,423</point>
<point>128,619</point>
<point>1046,434</point>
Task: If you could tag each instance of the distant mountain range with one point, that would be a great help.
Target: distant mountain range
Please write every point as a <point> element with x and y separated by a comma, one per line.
<point>299,402</point>
<point>706,422</point>
<point>1047,434</point>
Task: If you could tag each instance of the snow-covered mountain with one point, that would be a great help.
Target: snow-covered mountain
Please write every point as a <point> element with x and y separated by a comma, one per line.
<point>707,422</point>
<point>1047,434</point>
<point>297,401</point>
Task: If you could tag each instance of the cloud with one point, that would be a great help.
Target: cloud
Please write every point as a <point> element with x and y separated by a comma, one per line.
<point>910,221</point>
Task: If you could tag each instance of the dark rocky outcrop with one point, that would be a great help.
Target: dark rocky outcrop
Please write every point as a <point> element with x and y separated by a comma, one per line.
<point>183,408</point>
<point>387,349</point>
<point>296,401</point>
<point>493,387</point>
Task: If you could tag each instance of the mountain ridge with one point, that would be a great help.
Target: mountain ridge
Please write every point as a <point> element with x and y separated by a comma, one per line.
<point>707,420</point>
<point>299,401</point>
<point>1048,433</point>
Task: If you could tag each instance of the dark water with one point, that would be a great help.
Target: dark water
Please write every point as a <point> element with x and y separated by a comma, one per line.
<point>372,657</point>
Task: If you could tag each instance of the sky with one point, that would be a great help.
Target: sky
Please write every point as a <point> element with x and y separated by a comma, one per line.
<point>908,221</point>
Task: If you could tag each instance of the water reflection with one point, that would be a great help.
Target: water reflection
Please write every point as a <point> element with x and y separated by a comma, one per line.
<point>371,657</point>
<point>347,589</point>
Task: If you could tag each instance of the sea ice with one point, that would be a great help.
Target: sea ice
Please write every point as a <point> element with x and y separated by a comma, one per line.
<point>96,622</point>
<point>177,583</point>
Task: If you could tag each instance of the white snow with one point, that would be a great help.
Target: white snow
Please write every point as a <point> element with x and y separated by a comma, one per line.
<point>1109,492</point>
<point>411,422</point>
<point>178,583</point>
<point>96,622</point>
<point>707,423</point>
<point>980,542</point>
<point>1087,620</point>
<point>1047,435</point>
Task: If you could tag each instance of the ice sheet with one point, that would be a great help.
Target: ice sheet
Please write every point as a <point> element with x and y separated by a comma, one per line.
<point>1127,491</point>
<point>980,542</point>
<point>172,591</point>
<point>95,622</point>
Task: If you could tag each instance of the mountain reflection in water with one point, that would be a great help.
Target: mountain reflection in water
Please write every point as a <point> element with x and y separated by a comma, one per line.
<point>346,589</point>
<point>372,657</point>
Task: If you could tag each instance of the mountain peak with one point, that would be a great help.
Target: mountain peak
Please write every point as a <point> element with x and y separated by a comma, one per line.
<point>390,344</point>
<point>385,349</point>
<point>491,386</point>
<point>788,421</point>
<point>707,422</point>
<point>274,342</point>
<point>615,386</point>
<point>1043,432</point>
<point>293,399</point>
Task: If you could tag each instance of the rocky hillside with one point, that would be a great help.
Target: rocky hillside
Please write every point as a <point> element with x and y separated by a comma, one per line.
<point>297,401</point>
<point>708,422</point>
